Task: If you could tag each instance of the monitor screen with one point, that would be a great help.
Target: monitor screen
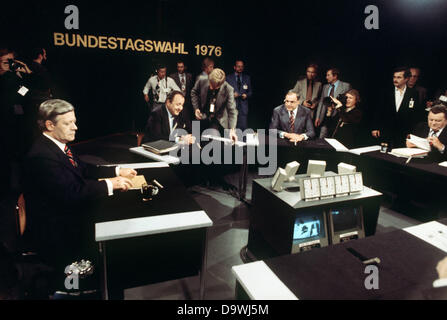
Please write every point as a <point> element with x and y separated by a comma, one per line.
<point>346,218</point>
<point>309,227</point>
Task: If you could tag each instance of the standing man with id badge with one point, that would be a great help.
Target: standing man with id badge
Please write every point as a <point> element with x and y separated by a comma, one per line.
<point>213,103</point>
<point>242,92</point>
<point>398,112</point>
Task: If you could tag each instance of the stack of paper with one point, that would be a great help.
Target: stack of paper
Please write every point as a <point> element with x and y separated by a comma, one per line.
<point>409,152</point>
<point>421,143</point>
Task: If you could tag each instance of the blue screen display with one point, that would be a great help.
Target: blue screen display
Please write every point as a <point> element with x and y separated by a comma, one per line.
<point>307,227</point>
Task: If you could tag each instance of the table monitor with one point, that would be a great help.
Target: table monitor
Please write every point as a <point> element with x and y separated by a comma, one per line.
<point>310,231</point>
<point>346,223</point>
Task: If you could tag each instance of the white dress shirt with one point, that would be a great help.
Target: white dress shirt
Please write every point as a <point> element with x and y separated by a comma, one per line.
<point>399,96</point>
<point>282,133</point>
<point>165,86</point>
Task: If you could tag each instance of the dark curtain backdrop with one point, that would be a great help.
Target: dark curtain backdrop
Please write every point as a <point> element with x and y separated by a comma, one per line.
<point>276,39</point>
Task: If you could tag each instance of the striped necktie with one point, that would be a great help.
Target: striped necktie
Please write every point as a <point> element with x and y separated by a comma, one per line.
<point>70,156</point>
<point>291,122</point>
<point>433,133</point>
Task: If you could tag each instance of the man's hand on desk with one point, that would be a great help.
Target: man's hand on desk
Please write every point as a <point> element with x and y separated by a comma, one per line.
<point>188,139</point>
<point>442,268</point>
<point>293,137</point>
<point>375,133</point>
<point>121,183</point>
<point>127,173</point>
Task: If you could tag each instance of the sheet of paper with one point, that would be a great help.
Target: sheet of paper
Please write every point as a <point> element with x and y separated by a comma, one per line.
<point>359,151</point>
<point>432,232</point>
<point>226,140</point>
<point>252,139</point>
<point>443,164</point>
<point>419,142</point>
<point>336,144</point>
<point>138,182</point>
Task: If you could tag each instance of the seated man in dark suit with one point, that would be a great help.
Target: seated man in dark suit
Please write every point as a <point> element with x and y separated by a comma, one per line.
<point>434,131</point>
<point>292,120</point>
<point>164,121</point>
<point>59,190</point>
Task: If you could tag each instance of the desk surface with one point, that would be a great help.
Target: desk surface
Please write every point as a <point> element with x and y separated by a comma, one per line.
<point>425,165</point>
<point>408,266</point>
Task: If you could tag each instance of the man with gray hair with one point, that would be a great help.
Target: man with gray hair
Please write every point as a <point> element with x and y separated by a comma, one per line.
<point>213,102</point>
<point>58,190</point>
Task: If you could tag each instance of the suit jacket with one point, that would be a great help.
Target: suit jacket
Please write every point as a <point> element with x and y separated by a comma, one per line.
<point>157,127</point>
<point>422,130</point>
<point>225,108</point>
<point>303,121</point>
<point>241,105</point>
<point>394,126</point>
<point>341,88</point>
<point>58,196</point>
<point>189,83</point>
<point>301,89</point>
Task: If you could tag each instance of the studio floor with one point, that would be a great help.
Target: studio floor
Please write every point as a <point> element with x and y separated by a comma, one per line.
<point>226,238</point>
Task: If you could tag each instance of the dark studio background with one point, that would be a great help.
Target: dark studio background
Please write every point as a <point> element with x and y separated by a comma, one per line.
<point>276,40</point>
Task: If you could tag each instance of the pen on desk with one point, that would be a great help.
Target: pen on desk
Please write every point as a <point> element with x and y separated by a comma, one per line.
<point>295,143</point>
<point>157,184</point>
<point>198,145</point>
<point>409,158</point>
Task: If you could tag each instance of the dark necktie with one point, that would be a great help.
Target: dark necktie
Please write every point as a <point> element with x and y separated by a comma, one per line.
<point>182,80</point>
<point>291,122</point>
<point>239,83</point>
<point>331,93</point>
<point>433,133</point>
<point>70,156</point>
<point>309,90</point>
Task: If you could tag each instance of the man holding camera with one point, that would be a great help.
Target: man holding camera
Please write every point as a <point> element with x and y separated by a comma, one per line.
<point>309,88</point>
<point>159,86</point>
<point>13,133</point>
<point>333,88</point>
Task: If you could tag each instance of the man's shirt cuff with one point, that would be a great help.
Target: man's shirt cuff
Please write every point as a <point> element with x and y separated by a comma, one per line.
<point>440,283</point>
<point>109,187</point>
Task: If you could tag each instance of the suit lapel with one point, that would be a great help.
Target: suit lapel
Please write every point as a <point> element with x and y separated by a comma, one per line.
<point>204,91</point>
<point>220,98</point>
<point>165,120</point>
<point>285,117</point>
<point>63,158</point>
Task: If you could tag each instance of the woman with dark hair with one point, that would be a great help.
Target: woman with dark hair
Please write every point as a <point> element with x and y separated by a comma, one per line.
<point>345,118</point>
